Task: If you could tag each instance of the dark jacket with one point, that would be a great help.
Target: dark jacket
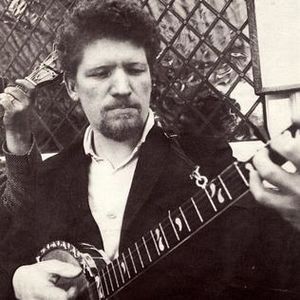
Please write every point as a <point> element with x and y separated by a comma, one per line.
<point>246,252</point>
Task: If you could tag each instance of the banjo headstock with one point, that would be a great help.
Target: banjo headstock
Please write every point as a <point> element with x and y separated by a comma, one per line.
<point>47,71</point>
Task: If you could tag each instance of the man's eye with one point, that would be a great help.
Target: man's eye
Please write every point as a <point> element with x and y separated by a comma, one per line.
<point>101,74</point>
<point>135,71</point>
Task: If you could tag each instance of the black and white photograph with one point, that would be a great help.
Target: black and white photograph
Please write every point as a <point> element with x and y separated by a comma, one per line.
<point>150,149</point>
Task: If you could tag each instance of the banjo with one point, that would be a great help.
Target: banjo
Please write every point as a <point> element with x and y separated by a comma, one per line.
<point>104,279</point>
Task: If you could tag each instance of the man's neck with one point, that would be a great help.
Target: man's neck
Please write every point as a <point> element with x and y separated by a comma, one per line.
<point>116,152</point>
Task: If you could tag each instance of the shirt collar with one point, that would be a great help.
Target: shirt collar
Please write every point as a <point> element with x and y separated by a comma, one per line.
<point>88,140</point>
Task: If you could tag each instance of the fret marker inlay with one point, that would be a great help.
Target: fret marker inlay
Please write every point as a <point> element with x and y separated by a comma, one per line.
<point>158,252</point>
<point>164,236</point>
<point>184,218</point>
<point>159,240</point>
<point>173,226</point>
<point>121,271</point>
<point>224,187</point>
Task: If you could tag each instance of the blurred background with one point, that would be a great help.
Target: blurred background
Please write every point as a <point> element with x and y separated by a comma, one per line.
<point>204,63</point>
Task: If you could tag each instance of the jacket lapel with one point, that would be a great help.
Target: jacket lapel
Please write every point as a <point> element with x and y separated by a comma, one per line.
<point>151,161</point>
<point>83,227</point>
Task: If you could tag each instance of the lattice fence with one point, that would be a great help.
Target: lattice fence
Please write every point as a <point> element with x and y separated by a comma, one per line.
<point>204,64</point>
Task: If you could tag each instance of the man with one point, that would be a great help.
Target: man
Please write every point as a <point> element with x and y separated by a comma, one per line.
<point>123,178</point>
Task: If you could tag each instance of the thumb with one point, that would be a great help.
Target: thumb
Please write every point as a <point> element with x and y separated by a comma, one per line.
<point>60,268</point>
<point>25,83</point>
<point>72,293</point>
<point>26,86</point>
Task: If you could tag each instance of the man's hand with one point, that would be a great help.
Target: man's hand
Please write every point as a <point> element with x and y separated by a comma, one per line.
<point>16,104</point>
<point>37,281</point>
<point>285,197</point>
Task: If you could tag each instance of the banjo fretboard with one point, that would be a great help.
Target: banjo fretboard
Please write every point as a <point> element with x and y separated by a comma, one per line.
<point>178,226</point>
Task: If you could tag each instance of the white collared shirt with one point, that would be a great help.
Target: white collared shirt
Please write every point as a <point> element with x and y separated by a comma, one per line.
<point>108,189</point>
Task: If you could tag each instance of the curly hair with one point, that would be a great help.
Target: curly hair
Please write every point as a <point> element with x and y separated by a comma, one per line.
<point>122,20</point>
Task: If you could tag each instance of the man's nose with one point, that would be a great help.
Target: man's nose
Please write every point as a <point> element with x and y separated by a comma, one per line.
<point>121,84</point>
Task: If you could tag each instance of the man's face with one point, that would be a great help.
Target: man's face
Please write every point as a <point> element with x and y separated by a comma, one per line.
<point>113,83</point>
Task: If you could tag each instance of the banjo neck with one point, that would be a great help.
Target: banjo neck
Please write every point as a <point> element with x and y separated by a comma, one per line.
<point>179,225</point>
<point>105,281</point>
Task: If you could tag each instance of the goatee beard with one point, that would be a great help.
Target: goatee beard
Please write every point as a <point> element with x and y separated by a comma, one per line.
<point>122,130</point>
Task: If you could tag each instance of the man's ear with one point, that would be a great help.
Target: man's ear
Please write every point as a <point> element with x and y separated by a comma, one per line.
<point>71,87</point>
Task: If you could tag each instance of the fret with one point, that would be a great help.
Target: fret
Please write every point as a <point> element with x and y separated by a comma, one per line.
<point>124,261</point>
<point>173,226</point>
<point>210,200</point>
<point>159,238</point>
<point>197,210</point>
<point>139,254</point>
<point>120,270</point>
<point>143,252</point>
<point>117,281</point>
<point>109,277</point>
<point>133,264</point>
<point>101,291</point>
<point>234,182</point>
<point>224,187</point>
<point>105,282</point>
<point>147,250</point>
<point>124,268</point>
<point>182,223</point>
<point>154,242</point>
<point>116,268</point>
<point>241,173</point>
<point>163,233</point>
<point>184,218</point>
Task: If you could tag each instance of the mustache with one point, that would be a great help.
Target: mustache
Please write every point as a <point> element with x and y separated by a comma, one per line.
<point>123,104</point>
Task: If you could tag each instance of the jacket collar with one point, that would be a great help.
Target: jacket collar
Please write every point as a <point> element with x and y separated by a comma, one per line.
<point>149,167</point>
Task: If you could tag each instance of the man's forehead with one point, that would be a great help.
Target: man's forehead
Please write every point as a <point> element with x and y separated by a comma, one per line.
<point>109,51</point>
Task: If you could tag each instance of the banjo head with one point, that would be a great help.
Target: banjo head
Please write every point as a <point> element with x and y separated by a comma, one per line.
<point>87,281</point>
